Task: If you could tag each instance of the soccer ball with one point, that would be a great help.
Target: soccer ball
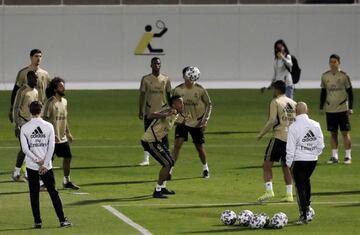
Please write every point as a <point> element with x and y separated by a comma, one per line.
<point>192,73</point>
<point>310,214</point>
<point>266,217</point>
<point>228,217</point>
<point>244,217</point>
<point>279,220</point>
<point>257,222</point>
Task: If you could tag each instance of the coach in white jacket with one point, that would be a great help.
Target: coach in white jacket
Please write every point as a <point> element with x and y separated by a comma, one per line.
<point>37,142</point>
<point>305,143</point>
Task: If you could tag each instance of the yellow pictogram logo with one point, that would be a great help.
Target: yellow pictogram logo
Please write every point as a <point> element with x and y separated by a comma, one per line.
<point>145,41</point>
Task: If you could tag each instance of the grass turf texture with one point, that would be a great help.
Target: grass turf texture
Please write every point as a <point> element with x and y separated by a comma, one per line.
<point>107,149</point>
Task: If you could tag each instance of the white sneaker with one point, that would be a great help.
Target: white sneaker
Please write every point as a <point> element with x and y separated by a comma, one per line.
<point>347,161</point>
<point>144,163</point>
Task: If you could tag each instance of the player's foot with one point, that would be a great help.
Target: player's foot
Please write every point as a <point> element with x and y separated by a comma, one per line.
<point>38,225</point>
<point>333,160</point>
<point>42,188</point>
<point>144,163</point>
<point>288,198</point>
<point>301,221</point>
<point>70,185</point>
<point>347,161</point>
<point>159,195</point>
<point>16,178</point>
<point>206,174</point>
<point>166,191</point>
<point>65,224</point>
<point>266,196</point>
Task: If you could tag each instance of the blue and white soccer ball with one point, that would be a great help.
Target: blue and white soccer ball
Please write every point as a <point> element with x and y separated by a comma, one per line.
<point>279,220</point>
<point>310,214</point>
<point>192,73</point>
<point>257,222</point>
<point>228,217</point>
<point>244,217</point>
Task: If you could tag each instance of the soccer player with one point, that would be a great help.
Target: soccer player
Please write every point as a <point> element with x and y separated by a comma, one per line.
<point>162,123</point>
<point>55,112</point>
<point>282,114</point>
<point>37,141</point>
<point>21,115</point>
<point>155,91</point>
<point>337,100</point>
<point>305,143</point>
<point>21,79</point>
<point>197,113</point>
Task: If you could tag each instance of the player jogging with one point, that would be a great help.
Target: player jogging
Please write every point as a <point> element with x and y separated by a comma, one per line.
<point>162,123</point>
<point>55,112</point>
<point>155,91</point>
<point>197,113</point>
<point>337,101</point>
<point>282,114</point>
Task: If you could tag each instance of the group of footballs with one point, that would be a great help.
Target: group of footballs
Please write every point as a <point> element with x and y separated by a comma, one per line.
<point>247,218</point>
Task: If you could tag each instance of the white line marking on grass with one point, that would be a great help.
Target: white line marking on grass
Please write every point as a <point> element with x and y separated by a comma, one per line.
<point>127,220</point>
<point>80,193</point>
<point>232,204</point>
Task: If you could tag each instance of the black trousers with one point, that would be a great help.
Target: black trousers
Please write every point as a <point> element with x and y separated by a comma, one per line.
<point>34,188</point>
<point>302,171</point>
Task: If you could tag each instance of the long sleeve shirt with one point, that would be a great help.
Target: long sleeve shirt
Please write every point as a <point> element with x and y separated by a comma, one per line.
<point>281,70</point>
<point>305,140</point>
<point>38,143</point>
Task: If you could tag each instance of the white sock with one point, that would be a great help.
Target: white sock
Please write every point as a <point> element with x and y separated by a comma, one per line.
<point>163,185</point>
<point>17,171</point>
<point>289,189</point>
<point>269,186</point>
<point>171,170</point>
<point>146,156</point>
<point>205,167</point>
<point>26,175</point>
<point>348,153</point>
<point>41,183</point>
<point>66,179</point>
<point>335,153</point>
<point>158,188</point>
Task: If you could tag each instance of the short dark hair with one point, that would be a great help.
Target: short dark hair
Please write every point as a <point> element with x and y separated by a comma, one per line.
<point>35,107</point>
<point>155,58</point>
<point>34,51</point>
<point>335,56</point>
<point>31,74</point>
<point>50,91</point>
<point>184,70</point>
<point>174,98</point>
<point>280,86</point>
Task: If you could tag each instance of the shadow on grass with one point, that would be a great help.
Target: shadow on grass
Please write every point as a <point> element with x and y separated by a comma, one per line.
<point>254,167</point>
<point>111,200</point>
<point>229,132</point>
<point>25,229</point>
<point>211,206</point>
<point>12,193</point>
<point>103,167</point>
<point>6,181</point>
<point>6,173</point>
<point>132,182</point>
<point>349,205</point>
<point>336,193</point>
<point>236,228</point>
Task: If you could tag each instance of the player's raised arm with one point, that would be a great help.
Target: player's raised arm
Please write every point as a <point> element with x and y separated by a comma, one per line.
<point>163,114</point>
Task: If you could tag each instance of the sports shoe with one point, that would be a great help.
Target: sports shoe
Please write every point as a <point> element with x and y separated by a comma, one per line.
<point>70,185</point>
<point>38,225</point>
<point>301,221</point>
<point>166,191</point>
<point>333,160</point>
<point>206,174</point>
<point>266,196</point>
<point>347,161</point>
<point>65,224</point>
<point>159,195</point>
<point>144,163</point>
<point>16,178</point>
<point>288,198</point>
<point>43,188</point>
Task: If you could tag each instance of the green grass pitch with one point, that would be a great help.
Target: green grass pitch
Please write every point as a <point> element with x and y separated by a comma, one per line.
<point>107,149</point>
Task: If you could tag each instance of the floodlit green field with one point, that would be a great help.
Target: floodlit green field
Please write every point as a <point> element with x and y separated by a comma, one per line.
<point>107,150</point>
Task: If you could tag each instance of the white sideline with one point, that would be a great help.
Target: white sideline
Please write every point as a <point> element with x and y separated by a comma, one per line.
<point>127,220</point>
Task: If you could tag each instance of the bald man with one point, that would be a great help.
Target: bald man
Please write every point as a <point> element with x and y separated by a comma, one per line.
<point>305,142</point>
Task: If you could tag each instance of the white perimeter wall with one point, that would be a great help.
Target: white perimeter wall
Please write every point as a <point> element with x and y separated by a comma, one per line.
<point>93,47</point>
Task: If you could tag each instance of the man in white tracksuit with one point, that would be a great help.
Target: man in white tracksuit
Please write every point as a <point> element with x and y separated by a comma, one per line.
<point>305,143</point>
<point>38,142</point>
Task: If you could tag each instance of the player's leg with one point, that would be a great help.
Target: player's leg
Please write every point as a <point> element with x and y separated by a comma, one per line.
<point>267,171</point>
<point>63,150</point>
<point>311,166</point>
<point>17,171</point>
<point>289,92</point>
<point>345,132</point>
<point>287,174</point>
<point>197,134</point>
<point>146,161</point>
<point>181,136</point>
<point>332,121</point>
<point>300,178</point>
<point>34,187</point>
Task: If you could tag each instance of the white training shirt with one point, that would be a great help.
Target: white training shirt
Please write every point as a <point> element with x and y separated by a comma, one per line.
<point>305,140</point>
<point>281,72</point>
<point>38,143</point>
